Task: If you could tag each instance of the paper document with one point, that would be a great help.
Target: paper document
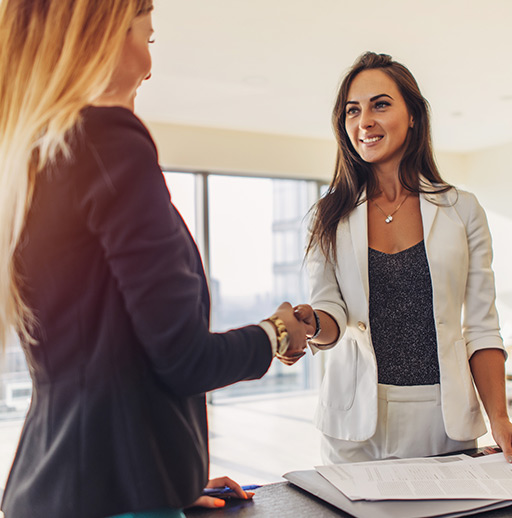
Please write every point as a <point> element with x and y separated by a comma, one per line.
<point>455,477</point>
<point>317,485</point>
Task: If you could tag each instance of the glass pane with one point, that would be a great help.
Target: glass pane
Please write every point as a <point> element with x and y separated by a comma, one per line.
<point>182,189</point>
<point>257,236</point>
<point>15,394</point>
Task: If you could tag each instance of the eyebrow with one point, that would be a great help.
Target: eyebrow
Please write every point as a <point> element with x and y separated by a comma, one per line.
<point>374,98</point>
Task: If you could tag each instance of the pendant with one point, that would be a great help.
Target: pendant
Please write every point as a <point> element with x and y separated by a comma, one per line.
<point>389,219</point>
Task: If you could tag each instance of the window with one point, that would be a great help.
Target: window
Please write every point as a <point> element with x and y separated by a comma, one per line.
<point>257,235</point>
<point>182,190</point>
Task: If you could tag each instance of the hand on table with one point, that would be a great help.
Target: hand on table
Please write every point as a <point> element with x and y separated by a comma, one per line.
<point>221,482</point>
<point>502,433</point>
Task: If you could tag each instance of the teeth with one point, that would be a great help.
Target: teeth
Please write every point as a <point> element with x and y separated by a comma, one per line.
<point>369,140</point>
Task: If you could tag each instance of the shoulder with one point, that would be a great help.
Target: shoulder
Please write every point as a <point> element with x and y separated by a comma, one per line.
<point>452,197</point>
<point>467,207</point>
<point>114,131</point>
<point>100,119</point>
<point>115,152</point>
<point>464,202</point>
<point>114,139</point>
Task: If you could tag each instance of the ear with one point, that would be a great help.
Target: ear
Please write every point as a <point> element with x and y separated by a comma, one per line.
<point>411,122</point>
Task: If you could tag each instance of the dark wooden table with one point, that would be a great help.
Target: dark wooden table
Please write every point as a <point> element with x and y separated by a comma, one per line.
<point>284,500</point>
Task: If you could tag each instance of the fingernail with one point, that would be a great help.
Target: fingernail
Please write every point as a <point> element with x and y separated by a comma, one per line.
<point>509,458</point>
<point>218,502</point>
<point>249,494</point>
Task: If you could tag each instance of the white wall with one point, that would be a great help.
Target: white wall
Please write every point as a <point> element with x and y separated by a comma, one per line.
<point>229,151</point>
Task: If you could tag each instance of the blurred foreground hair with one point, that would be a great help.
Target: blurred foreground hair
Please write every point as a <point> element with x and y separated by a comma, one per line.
<point>56,57</point>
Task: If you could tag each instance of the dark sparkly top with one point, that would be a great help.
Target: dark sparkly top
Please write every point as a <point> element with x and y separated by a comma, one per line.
<point>402,318</point>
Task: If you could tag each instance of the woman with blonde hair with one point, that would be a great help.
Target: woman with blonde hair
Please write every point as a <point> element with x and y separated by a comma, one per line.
<point>100,277</point>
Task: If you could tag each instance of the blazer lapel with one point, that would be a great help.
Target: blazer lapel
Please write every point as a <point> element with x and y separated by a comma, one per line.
<point>428,213</point>
<point>358,223</point>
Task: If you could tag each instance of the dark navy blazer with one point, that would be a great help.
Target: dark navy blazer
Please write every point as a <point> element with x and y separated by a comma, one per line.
<point>124,355</point>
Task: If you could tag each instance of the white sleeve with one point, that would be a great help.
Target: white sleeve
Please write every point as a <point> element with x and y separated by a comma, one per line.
<point>325,293</point>
<point>480,318</point>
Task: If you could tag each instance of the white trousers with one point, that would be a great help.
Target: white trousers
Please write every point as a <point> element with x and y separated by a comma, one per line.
<point>409,424</point>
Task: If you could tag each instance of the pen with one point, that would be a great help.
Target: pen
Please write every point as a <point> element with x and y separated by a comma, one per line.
<point>212,491</point>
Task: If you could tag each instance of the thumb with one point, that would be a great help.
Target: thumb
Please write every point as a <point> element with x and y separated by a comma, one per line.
<point>507,453</point>
<point>210,502</point>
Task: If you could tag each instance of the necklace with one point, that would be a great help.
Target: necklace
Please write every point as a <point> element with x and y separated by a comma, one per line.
<point>389,217</point>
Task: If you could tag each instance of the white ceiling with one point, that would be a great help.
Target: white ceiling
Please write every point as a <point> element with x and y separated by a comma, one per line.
<point>274,66</point>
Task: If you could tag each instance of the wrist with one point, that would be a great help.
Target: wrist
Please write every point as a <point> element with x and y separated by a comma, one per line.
<point>498,417</point>
<point>318,328</point>
<point>282,336</point>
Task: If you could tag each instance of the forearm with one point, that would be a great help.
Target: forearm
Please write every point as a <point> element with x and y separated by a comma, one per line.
<point>330,332</point>
<point>488,369</point>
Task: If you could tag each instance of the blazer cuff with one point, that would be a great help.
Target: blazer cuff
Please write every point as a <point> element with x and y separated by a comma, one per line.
<point>486,343</point>
<point>271,333</point>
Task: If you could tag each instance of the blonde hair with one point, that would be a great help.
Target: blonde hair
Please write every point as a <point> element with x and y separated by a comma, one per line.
<point>56,57</point>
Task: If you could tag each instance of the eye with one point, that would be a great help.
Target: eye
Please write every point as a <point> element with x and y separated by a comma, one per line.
<point>381,105</point>
<point>352,110</point>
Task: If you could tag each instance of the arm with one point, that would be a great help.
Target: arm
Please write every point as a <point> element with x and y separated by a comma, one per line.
<point>326,299</point>
<point>149,252</point>
<point>329,330</point>
<point>329,306</point>
<point>480,326</point>
<point>481,329</point>
<point>487,367</point>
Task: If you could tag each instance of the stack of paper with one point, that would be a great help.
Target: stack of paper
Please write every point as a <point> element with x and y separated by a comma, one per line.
<point>412,488</point>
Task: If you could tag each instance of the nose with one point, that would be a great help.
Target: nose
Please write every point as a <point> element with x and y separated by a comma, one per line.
<point>366,119</point>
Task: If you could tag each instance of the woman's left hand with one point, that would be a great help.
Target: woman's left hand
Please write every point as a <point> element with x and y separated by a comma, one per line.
<point>502,433</point>
<point>213,502</point>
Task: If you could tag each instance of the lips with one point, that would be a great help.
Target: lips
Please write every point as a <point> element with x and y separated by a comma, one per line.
<point>371,140</point>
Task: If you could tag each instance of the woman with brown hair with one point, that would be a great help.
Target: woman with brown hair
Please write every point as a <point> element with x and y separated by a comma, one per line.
<point>402,286</point>
<point>100,277</point>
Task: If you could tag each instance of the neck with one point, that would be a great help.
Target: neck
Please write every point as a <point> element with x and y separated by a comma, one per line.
<point>389,187</point>
<point>115,100</point>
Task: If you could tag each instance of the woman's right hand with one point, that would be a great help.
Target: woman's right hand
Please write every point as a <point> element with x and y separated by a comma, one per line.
<point>305,313</point>
<point>298,331</point>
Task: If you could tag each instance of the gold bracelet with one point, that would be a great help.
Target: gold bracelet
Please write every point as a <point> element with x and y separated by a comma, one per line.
<point>283,338</point>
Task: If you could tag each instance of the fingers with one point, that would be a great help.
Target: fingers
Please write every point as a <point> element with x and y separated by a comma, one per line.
<point>226,481</point>
<point>502,433</point>
<point>305,313</point>
<point>300,324</point>
<point>285,306</point>
<point>210,502</point>
<point>290,360</point>
<point>506,447</point>
<point>222,482</point>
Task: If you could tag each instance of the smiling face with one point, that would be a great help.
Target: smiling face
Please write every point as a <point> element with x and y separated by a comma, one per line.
<point>377,119</point>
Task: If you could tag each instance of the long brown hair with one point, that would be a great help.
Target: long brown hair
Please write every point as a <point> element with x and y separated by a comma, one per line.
<point>352,175</point>
<point>56,57</point>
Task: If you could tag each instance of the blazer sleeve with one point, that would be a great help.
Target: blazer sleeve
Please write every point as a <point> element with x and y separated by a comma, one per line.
<point>126,205</point>
<point>325,293</point>
<point>480,319</point>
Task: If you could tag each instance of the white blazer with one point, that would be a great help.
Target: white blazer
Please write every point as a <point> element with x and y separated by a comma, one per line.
<point>459,252</point>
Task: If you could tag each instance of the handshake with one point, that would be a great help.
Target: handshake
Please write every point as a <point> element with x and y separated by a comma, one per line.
<point>301,325</point>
